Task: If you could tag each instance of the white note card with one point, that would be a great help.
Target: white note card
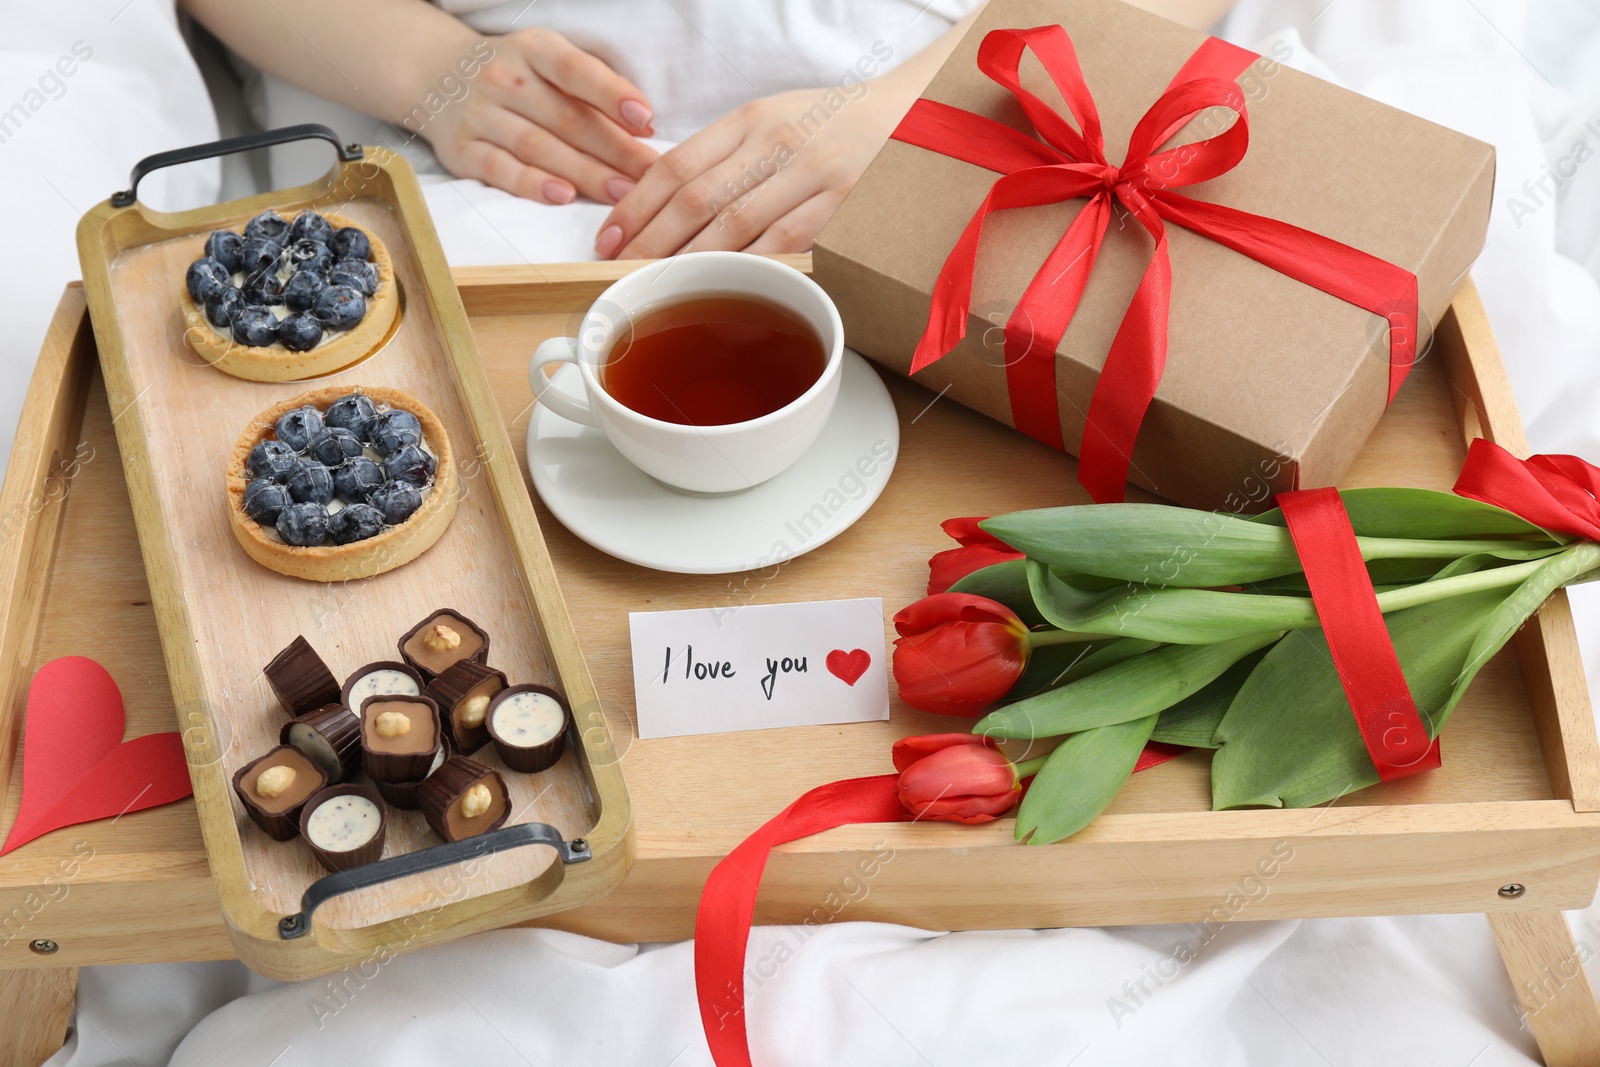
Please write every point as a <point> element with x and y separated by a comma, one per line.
<point>755,667</point>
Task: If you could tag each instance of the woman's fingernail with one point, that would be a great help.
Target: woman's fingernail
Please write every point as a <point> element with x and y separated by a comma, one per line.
<point>559,192</point>
<point>617,188</point>
<point>635,114</point>
<point>610,239</point>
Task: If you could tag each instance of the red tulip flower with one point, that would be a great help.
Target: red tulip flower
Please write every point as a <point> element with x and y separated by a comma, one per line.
<point>955,778</point>
<point>978,550</point>
<point>958,653</point>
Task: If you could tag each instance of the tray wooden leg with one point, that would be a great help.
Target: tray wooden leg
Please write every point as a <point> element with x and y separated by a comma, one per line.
<point>35,1010</point>
<point>1548,973</point>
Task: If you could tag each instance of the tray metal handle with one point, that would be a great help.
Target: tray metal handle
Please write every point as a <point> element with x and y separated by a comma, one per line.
<point>307,131</point>
<point>326,888</point>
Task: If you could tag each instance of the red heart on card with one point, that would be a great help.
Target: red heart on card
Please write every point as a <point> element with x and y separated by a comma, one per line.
<point>75,766</point>
<point>848,667</point>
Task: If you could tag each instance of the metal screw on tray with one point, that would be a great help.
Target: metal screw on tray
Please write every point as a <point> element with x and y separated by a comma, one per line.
<point>43,946</point>
<point>1513,890</point>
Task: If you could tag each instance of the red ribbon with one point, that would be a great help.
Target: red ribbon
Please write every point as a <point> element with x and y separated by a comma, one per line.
<point>1555,492</point>
<point>728,901</point>
<point>1071,163</point>
<point>1390,725</point>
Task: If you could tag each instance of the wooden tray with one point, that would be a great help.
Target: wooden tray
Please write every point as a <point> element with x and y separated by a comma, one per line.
<point>1514,805</point>
<point>222,617</point>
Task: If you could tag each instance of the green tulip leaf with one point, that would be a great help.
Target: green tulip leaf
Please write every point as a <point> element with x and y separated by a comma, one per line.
<point>1193,721</point>
<point>1134,689</point>
<point>1396,511</point>
<point>1079,779</point>
<point>1289,738</point>
<point>1052,665</point>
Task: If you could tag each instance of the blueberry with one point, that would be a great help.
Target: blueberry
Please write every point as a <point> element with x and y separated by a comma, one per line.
<point>393,429</point>
<point>221,303</point>
<point>296,428</point>
<point>206,274</point>
<point>267,224</point>
<point>395,501</point>
<point>351,243</point>
<point>358,274</point>
<point>311,483</point>
<point>254,326</point>
<point>303,524</point>
<point>310,256</point>
<point>354,412</point>
<point>301,290</point>
<point>356,479</point>
<point>227,248</point>
<point>260,254</point>
<point>264,499</point>
<point>339,307</point>
<point>333,446</point>
<point>262,287</point>
<point>309,224</point>
<point>355,523</point>
<point>299,332</point>
<point>272,459</point>
<point>411,465</point>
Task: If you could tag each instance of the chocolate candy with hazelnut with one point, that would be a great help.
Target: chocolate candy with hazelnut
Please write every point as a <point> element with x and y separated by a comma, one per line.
<point>463,693</point>
<point>442,640</point>
<point>400,735</point>
<point>463,798</point>
<point>274,787</point>
<point>300,679</point>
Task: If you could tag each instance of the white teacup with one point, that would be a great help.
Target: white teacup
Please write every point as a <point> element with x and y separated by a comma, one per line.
<point>706,459</point>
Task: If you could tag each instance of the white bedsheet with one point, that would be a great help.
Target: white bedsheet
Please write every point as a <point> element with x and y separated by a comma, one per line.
<point>1427,990</point>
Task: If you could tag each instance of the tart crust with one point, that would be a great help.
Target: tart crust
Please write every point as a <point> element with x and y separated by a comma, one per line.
<point>275,363</point>
<point>394,547</point>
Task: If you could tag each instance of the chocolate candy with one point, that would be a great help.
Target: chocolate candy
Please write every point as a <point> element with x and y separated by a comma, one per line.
<point>343,825</point>
<point>400,736</point>
<point>442,640</point>
<point>302,682</point>
<point>463,798</point>
<point>274,787</point>
<point>386,677</point>
<point>331,737</point>
<point>463,694</point>
<point>404,794</point>
<point>528,724</point>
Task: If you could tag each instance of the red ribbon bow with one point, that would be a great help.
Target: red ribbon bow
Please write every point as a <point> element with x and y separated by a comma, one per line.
<point>1071,163</point>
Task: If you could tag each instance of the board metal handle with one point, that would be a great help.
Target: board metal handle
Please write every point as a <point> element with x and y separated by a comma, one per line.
<point>326,888</point>
<point>307,131</point>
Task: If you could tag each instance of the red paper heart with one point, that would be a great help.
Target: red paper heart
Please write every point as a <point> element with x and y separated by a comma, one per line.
<point>848,667</point>
<point>75,766</point>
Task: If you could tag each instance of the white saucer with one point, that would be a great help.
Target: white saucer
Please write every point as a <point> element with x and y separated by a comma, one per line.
<point>617,508</point>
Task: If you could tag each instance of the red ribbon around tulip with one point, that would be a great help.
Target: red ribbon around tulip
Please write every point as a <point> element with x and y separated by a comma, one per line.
<point>1071,163</point>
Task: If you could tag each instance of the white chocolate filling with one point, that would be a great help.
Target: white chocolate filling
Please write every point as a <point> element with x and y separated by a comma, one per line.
<point>315,747</point>
<point>528,719</point>
<point>385,682</point>
<point>343,823</point>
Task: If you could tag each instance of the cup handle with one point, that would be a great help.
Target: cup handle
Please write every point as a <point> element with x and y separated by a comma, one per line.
<point>545,391</point>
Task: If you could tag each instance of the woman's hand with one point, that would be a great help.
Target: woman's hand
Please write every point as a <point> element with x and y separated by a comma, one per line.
<point>546,120</point>
<point>763,178</point>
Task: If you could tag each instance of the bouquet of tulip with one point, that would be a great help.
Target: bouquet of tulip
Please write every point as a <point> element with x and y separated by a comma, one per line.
<point>1110,626</point>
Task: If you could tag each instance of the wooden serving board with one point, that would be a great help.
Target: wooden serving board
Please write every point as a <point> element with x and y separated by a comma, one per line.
<point>1515,803</point>
<point>223,617</point>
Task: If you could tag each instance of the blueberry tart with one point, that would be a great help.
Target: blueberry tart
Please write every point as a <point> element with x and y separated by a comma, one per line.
<point>289,298</point>
<point>341,483</point>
